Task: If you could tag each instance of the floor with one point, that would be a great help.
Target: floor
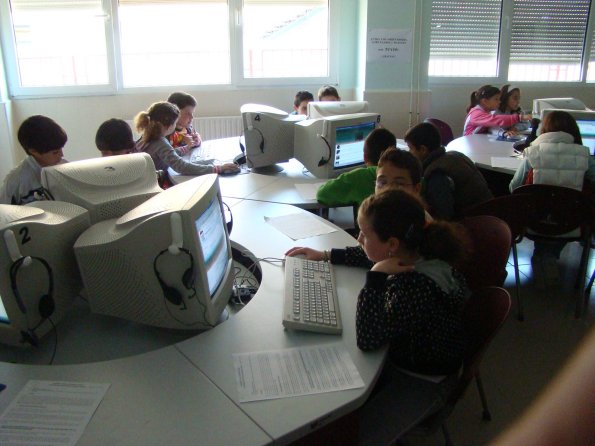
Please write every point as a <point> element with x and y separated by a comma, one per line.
<point>524,356</point>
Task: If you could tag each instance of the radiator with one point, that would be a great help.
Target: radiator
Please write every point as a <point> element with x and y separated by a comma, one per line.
<point>218,126</point>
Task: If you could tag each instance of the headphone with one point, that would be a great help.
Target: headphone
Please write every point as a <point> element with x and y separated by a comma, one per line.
<point>170,293</point>
<point>46,304</point>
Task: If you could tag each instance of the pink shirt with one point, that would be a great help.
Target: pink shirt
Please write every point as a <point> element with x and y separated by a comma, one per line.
<point>479,121</point>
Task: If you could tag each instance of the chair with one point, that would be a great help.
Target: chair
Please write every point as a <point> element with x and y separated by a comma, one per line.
<point>515,210</point>
<point>491,240</point>
<point>485,312</point>
<point>444,129</point>
<point>558,213</point>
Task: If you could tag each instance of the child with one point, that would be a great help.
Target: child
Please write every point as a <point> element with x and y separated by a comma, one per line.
<point>354,186</point>
<point>328,93</point>
<point>452,182</point>
<point>300,103</point>
<point>479,113</point>
<point>556,157</point>
<point>184,137</point>
<point>114,137</point>
<point>160,121</point>
<point>510,104</point>
<point>43,140</point>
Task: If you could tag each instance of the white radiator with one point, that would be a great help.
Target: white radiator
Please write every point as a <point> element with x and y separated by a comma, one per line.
<point>218,126</point>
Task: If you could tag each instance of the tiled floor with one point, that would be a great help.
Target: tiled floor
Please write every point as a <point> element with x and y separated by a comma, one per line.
<point>524,356</point>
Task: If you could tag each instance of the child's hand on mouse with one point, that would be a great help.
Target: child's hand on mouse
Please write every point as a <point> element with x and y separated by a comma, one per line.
<point>229,168</point>
<point>392,265</point>
<point>309,253</point>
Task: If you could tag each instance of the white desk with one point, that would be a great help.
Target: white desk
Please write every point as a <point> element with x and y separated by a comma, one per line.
<point>481,148</point>
<point>186,393</point>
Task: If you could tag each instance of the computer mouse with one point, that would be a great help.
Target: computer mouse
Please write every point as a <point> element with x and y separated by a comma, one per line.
<point>229,172</point>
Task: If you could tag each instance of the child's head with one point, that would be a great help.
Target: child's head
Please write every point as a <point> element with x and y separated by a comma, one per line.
<point>43,139</point>
<point>398,169</point>
<point>114,137</point>
<point>393,223</point>
<point>328,93</point>
<point>300,103</point>
<point>561,121</point>
<point>487,97</point>
<point>159,120</point>
<point>510,99</point>
<point>422,139</point>
<point>186,103</point>
<point>377,142</point>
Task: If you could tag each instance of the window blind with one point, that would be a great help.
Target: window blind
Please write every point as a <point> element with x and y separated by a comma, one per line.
<point>547,31</point>
<point>465,29</point>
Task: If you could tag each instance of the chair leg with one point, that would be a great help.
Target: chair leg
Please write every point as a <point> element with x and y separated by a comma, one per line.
<point>447,440</point>
<point>582,271</point>
<point>520,315</point>
<point>484,402</point>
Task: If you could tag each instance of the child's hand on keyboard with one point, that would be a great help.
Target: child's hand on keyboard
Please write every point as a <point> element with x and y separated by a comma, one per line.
<point>309,253</point>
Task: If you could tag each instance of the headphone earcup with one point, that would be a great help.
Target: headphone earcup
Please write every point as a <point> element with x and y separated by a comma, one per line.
<point>171,294</point>
<point>188,278</point>
<point>46,306</point>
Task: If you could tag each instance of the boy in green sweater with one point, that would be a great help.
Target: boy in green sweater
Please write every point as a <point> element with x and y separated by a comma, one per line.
<point>353,187</point>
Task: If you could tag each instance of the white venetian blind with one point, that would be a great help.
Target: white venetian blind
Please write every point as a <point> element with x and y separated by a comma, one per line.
<point>547,38</point>
<point>464,38</point>
<point>591,68</point>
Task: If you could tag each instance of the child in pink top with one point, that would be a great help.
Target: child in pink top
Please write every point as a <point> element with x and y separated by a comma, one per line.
<point>479,113</point>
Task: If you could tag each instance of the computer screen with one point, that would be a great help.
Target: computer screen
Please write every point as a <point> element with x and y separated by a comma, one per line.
<point>330,146</point>
<point>322,109</point>
<point>39,278</point>
<point>166,263</point>
<point>268,134</point>
<point>585,120</point>
<point>539,105</point>
<point>107,187</point>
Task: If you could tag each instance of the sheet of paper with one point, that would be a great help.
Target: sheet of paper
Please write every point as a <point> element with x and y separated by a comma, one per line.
<point>294,371</point>
<point>302,225</point>
<point>50,412</point>
<point>308,190</point>
<point>510,162</point>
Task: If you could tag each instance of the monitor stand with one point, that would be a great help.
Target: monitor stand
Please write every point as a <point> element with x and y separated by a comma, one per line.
<point>268,170</point>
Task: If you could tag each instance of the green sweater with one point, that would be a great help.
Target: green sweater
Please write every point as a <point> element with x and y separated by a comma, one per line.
<point>348,188</point>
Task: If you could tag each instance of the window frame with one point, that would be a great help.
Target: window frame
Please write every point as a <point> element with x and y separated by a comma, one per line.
<point>504,45</point>
<point>114,60</point>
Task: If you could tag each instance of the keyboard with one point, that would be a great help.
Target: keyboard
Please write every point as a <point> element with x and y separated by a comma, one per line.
<point>310,298</point>
<point>200,153</point>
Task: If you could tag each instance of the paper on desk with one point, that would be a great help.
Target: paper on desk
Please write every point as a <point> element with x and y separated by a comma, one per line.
<point>50,412</point>
<point>302,225</point>
<point>308,190</point>
<point>511,162</point>
<point>294,371</point>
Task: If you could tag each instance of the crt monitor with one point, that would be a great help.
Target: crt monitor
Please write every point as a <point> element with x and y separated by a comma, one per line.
<point>107,187</point>
<point>322,109</point>
<point>330,146</point>
<point>585,120</point>
<point>539,105</point>
<point>166,263</point>
<point>39,278</point>
<point>268,134</point>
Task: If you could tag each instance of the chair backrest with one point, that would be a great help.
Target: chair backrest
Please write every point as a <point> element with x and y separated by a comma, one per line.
<point>491,241</point>
<point>516,210</point>
<point>484,313</point>
<point>557,209</point>
<point>444,129</point>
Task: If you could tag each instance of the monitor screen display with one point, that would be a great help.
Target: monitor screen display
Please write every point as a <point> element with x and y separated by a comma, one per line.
<point>587,129</point>
<point>3,314</point>
<point>210,229</point>
<point>349,144</point>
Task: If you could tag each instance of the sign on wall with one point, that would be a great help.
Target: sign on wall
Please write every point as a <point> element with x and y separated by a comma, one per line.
<point>389,45</point>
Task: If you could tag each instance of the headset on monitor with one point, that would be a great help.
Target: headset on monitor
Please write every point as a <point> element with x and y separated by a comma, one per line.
<point>45,303</point>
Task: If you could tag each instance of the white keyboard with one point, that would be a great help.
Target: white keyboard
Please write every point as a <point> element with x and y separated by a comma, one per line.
<point>200,153</point>
<point>310,300</point>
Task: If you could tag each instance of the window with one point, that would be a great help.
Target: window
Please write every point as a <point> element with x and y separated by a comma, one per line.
<point>61,46</point>
<point>512,40</point>
<point>591,66</point>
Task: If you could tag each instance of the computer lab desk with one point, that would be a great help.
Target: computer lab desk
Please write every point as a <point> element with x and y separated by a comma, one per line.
<point>185,393</point>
